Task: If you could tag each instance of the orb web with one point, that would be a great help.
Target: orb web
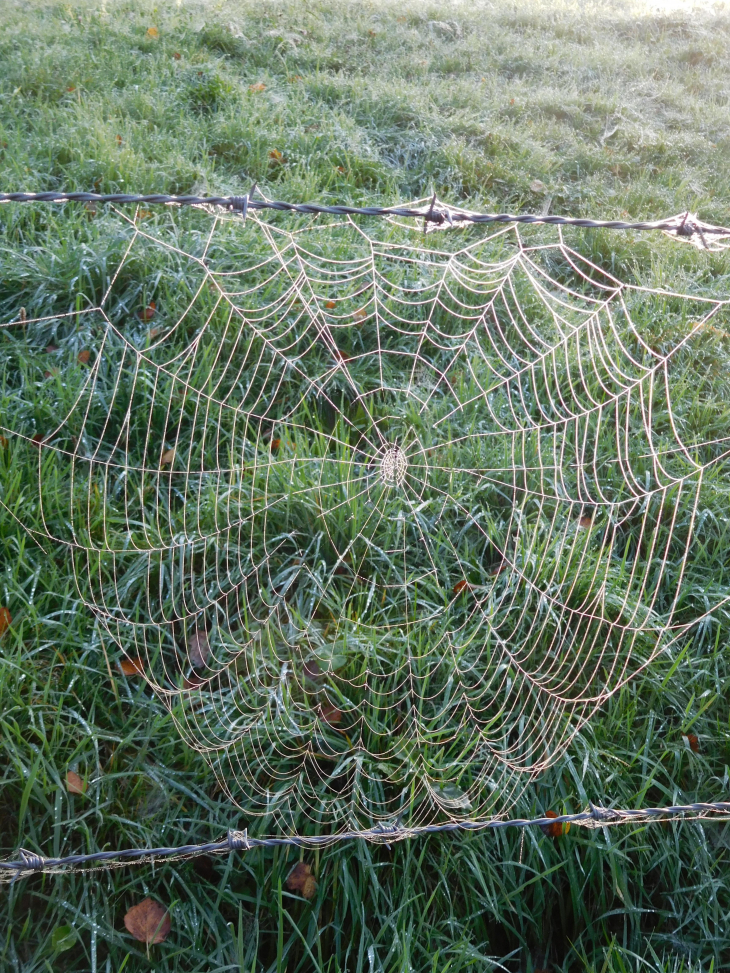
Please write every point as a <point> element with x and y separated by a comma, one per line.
<point>383,523</point>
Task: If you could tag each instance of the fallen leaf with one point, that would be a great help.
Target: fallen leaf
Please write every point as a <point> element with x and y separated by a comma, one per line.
<point>148,922</point>
<point>149,311</point>
<point>176,55</point>
<point>496,569</point>
<point>74,783</point>
<point>692,742</point>
<point>3,442</point>
<point>153,32</point>
<point>37,440</point>
<point>51,373</point>
<point>193,681</point>
<point>360,315</point>
<point>275,443</point>
<point>557,829</point>
<point>5,620</point>
<point>294,77</point>
<point>340,169</point>
<point>511,101</point>
<point>301,880</point>
<point>330,305</point>
<point>461,586</point>
<point>276,156</point>
<point>259,86</point>
<point>372,33</point>
<point>51,348</point>
<point>586,521</point>
<point>330,714</point>
<point>142,214</point>
<point>537,186</point>
<point>118,139</point>
<point>71,88</point>
<point>198,648</point>
<point>168,456</point>
<point>131,667</point>
<point>84,356</point>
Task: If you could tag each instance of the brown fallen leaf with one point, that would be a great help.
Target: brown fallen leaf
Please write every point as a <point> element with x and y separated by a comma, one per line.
<point>259,86</point>
<point>330,714</point>
<point>276,156</point>
<point>149,311</point>
<point>131,667</point>
<point>148,922</point>
<point>168,456</point>
<point>461,586</point>
<point>586,521</point>
<point>176,55</point>
<point>51,373</point>
<point>5,620</point>
<point>555,830</point>
<point>301,880</point>
<point>38,440</point>
<point>74,783</point>
<point>153,32</point>
<point>193,681</point>
<point>118,139</point>
<point>198,648</point>
<point>330,305</point>
<point>275,443</point>
<point>293,78</point>
<point>3,442</point>
<point>496,569</point>
<point>360,315</point>
<point>692,742</point>
<point>84,356</point>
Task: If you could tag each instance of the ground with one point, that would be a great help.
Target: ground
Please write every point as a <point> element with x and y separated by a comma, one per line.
<point>611,111</point>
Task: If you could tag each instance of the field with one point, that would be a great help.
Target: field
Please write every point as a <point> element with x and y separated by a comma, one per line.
<point>612,111</point>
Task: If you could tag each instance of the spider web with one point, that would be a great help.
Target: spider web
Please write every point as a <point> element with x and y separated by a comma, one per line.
<point>383,523</point>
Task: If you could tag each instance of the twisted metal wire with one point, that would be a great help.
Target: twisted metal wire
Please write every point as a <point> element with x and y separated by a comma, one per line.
<point>682,226</point>
<point>593,817</point>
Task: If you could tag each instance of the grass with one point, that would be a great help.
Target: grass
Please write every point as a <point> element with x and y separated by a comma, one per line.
<point>502,107</point>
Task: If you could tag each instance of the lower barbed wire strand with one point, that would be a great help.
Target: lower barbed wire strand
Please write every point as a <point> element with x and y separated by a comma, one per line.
<point>234,840</point>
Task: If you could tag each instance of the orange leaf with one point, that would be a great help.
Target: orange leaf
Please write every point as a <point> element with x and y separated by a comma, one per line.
<point>276,156</point>
<point>118,139</point>
<point>153,32</point>
<point>148,922</point>
<point>38,440</point>
<point>330,305</point>
<point>586,521</point>
<point>693,742</point>
<point>149,311</point>
<point>496,569</point>
<point>131,667</point>
<point>461,586</point>
<point>275,443</point>
<point>168,456</point>
<point>5,618</point>
<point>74,783</point>
<point>557,829</point>
<point>360,315</point>
<point>259,86</point>
<point>3,442</point>
<point>84,356</point>
<point>141,214</point>
<point>176,55</point>
<point>301,880</point>
<point>294,77</point>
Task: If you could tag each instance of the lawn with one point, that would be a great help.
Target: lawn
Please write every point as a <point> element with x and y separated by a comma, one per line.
<point>609,111</point>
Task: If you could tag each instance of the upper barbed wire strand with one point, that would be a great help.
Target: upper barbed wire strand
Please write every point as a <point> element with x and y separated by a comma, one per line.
<point>685,227</point>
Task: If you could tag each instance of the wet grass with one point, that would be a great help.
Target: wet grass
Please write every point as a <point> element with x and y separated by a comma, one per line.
<point>501,107</point>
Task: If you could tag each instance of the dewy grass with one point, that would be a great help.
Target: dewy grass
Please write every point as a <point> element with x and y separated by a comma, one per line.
<point>501,107</point>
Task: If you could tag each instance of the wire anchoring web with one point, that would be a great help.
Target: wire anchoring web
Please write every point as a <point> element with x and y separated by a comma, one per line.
<point>383,524</point>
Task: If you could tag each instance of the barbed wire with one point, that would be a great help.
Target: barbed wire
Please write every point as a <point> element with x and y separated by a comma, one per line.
<point>684,226</point>
<point>594,816</point>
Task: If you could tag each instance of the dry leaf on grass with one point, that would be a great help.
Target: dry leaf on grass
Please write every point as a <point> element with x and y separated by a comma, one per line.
<point>461,586</point>
<point>275,443</point>
<point>153,32</point>
<point>74,783</point>
<point>692,742</point>
<point>38,440</point>
<point>5,620</point>
<point>84,356</point>
<point>3,442</point>
<point>301,880</point>
<point>148,922</point>
<point>276,156</point>
<point>330,714</point>
<point>131,667</point>
<point>330,305</point>
<point>168,456</point>
<point>586,521</point>
<point>259,86</point>
<point>557,829</point>
<point>198,648</point>
<point>360,315</point>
